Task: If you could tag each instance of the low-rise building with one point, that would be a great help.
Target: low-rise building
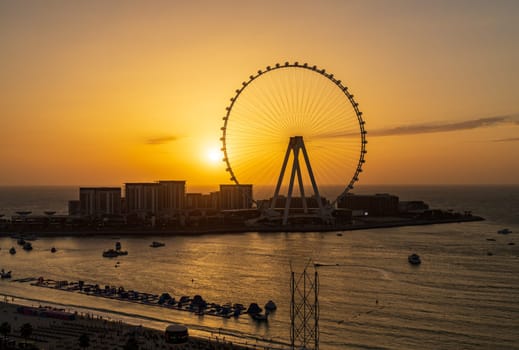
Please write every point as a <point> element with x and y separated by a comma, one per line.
<point>380,204</point>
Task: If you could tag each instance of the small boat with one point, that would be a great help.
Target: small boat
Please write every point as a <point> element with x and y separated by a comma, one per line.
<point>504,231</point>
<point>27,246</point>
<point>53,250</point>
<point>12,250</point>
<point>5,274</point>
<point>111,253</point>
<point>155,244</point>
<point>260,317</point>
<point>414,259</point>
<point>270,306</point>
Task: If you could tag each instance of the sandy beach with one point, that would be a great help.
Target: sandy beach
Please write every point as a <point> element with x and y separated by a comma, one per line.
<point>51,333</point>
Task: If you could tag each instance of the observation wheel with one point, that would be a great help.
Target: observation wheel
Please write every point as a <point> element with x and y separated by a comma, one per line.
<point>309,110</point>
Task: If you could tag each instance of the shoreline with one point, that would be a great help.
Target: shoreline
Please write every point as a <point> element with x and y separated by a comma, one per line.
<point>104,333</point>
<point>363,224</point>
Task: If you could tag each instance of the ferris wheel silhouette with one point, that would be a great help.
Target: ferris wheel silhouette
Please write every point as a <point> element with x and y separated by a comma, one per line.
<point>299,114</point>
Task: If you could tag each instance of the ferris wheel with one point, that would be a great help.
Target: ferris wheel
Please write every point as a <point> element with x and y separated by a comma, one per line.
<point>306,108</point>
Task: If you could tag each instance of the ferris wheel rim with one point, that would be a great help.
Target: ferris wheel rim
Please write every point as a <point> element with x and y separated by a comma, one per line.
<point>323,73</point>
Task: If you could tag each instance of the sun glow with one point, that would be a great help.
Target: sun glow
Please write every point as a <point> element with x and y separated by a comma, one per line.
<point>213,155</point>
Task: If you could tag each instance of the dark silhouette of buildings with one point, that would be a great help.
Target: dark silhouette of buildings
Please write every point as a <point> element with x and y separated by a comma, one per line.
<point>380,204</point>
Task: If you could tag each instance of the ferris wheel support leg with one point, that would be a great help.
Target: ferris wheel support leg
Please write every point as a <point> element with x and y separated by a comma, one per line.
<point>295,168</point>
<point>301,188</point>
<point>312,179</point>
<point>281,175</point>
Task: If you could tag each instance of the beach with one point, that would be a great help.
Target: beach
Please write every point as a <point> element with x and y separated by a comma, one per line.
<point>55,333</point>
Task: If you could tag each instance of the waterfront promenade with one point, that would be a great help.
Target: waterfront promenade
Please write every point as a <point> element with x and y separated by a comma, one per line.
<point>51,333</point>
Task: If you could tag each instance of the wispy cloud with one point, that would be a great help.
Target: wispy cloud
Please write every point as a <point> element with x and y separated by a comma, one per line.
<point>414,129</point>
<point>511,139</point>
<point>161,140</point>
<point>436,127</point>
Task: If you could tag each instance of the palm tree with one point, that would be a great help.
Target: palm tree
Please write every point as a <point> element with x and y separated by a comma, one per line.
<point>131,344</point>
<point>84,341</point>
<point>5,329</point>
<point>26,331</point>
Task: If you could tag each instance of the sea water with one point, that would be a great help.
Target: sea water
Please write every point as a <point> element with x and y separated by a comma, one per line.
<point>464,295</point>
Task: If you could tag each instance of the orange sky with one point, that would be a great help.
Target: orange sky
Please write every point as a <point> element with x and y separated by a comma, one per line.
<point>102,93</point>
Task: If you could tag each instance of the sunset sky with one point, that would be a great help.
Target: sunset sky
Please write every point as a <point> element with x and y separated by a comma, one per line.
<point>107,92</point>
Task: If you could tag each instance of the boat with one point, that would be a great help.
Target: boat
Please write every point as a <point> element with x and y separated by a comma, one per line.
<point>12,250</point>
<point>112,253</point>
<point>156,244</point>
<point>5,274</point>
<point>414,259</point>
<point>270,306</point>
<point>27,246</point>
<point>260,317</point>
<point>504,231</point>
<point>53,250</point>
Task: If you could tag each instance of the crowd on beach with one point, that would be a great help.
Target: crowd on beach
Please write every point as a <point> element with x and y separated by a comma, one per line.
<point>87,331</point>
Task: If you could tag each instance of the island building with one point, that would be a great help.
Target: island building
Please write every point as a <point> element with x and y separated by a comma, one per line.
<point>201,201</point>
<point>380,204</point>
<point>165,200</point>
<point>235,197</point>
<point>99,201</point>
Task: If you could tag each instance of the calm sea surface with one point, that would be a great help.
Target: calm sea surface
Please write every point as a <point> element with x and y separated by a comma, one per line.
<point>460,297</point>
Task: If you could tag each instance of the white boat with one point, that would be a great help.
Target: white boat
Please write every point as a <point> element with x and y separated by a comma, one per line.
<point>414,259</point>
<point>504,231</point>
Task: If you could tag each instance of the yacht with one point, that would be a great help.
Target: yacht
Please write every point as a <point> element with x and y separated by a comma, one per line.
<point>414,259</point>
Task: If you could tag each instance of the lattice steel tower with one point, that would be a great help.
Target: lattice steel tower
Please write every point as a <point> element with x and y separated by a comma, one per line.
<point>304,311</point>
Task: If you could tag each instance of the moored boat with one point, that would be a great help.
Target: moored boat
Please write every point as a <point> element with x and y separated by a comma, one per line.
<point>414,259</point>
<point>112,253</point>
<point>270,306</point>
